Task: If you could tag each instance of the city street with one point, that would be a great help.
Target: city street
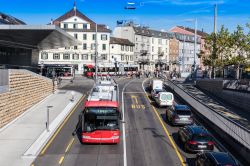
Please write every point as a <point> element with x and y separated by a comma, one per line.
<point>149,139</point>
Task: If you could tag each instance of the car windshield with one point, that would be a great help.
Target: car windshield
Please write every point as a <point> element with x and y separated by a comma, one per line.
<point>101,119</point>
<point>183,112</point>
<point>202,138</point>
<point>166,97</point>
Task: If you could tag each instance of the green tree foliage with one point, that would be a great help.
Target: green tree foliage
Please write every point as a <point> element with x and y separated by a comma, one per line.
<point>227,48</point>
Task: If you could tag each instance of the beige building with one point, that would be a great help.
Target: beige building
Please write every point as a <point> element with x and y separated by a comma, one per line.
<point>84,29</point>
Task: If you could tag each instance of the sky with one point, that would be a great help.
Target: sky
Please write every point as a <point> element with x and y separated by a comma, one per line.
<point>156,14</point>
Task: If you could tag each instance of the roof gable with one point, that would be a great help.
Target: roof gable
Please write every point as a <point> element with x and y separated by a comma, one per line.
<point>76,19</point>
<point>70,14</point>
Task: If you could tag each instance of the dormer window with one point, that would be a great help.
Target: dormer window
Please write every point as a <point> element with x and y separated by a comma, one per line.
<point>65,26</point>
<point>85,26</point>
<point>75,26</point>
<point>75,19</point>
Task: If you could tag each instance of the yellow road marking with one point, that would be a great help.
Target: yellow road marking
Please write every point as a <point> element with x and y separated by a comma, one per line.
<point>61,126</point>
<point>135,98</point>
<point>69,145</point>
<point>134,92</point>
<point>132,106</point>
<point>143,107</point>
<point>168,134</point>
<point>61,160</point>
<point>33,165</point>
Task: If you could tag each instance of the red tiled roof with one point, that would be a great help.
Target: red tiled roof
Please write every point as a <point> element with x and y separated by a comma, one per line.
<point>115,40</point>
<point>72,12</point>
<point>200,33</point>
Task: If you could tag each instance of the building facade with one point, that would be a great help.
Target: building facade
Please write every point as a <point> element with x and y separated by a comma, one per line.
<point>151,47</point>
<point>187,57</point>
<point>174,54</point>
<point>121,51</point>
<point>83,29</point>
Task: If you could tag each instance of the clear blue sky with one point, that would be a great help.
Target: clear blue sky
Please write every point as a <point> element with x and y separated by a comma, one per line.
<point>157,14</point>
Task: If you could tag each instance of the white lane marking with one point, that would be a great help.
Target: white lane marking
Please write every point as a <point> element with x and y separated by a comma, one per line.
<point>123,127</point>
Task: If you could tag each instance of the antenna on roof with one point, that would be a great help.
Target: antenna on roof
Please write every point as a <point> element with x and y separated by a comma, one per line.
<point>75,6</point>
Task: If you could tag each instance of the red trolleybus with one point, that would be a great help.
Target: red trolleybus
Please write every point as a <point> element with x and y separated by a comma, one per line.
<point>88,70</point>
<point>99,121</point>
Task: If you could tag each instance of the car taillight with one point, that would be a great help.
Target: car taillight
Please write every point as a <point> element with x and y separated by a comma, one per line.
<point>176,117</point>
<point>210,143</point>
<point>192,142</point>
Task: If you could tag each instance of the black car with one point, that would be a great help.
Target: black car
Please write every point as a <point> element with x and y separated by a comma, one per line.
<point>179,115</point>
<point>195,139</point>
<point>215,159</point>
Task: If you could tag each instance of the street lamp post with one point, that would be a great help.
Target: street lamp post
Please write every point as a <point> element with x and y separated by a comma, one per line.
<point>195,42</point>
<point>96,53</point>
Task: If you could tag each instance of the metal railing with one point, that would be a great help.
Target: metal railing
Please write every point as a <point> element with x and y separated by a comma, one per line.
<point>235,130</point>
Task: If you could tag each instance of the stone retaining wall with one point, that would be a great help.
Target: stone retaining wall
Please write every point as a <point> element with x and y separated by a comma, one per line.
<point>25,90</point>
<point>238,99</point>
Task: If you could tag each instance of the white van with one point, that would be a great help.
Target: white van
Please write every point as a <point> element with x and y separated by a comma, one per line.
<point>165,99</point>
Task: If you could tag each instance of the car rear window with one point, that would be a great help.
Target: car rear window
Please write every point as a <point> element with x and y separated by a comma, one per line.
<point>201,138</point>
<point>166,97</point>
<point>183,112</point>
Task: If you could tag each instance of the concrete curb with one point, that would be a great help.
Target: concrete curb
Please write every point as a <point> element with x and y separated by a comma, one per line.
<point>37,146</point>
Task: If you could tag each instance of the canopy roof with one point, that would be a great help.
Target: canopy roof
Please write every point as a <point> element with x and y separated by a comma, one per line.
<point>35,37</point>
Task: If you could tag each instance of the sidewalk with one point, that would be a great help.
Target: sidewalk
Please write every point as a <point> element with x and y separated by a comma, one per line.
<point>22,139</point>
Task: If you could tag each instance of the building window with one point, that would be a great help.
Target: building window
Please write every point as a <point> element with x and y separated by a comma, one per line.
<point>75,56</point>
<point>131,48</point>
<point>84,46</point>
<point>159,49</point>
<point>84,56</point>
<point>159,41</point>
<point>92,56</point>
<point>122,57</point>
<point>153,49</point>
<point>65,26</point>
<point>131,57</point>
<point>75,47</point>
<point>75,35</point>
<point>44,55</point>
<point>122,47</point>
<point>126,48</point>
<point>136,39</point>
<point>93,37</point>
<point>112,46</point>
<point>85,26</point>
<point>104,37</point>
<point>67,48</point>
<point>104,56</point>
<point>93,46</point>
<point>152,57</point>
<point>103,46</point>
<point>84,36</point>
<point>56,56</point>
<point>75,26</point>
<point>66,56</point>
<point>153,40</point>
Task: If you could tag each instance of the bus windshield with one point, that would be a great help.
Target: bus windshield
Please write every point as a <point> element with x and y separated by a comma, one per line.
<point>101,119</point>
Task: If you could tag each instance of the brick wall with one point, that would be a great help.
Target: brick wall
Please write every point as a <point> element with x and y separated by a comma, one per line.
<point>25,89</point>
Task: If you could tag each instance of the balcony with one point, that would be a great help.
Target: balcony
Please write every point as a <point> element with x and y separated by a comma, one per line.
<point>160,53</point>
<point>143,52</point>
<point>143,60</point>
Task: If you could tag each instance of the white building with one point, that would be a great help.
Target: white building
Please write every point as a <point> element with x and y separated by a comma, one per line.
<point>121,51</point>
<point>83,29</point>
<point>151,46</point>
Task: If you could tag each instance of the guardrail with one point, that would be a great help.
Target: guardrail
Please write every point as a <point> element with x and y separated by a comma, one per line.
<point>235,130</point>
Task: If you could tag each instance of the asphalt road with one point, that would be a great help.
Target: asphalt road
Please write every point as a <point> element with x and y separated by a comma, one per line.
<point>147,142</point>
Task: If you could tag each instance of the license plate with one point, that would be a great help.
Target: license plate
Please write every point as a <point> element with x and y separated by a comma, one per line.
<point>202,146</point>
<point>184,118</point>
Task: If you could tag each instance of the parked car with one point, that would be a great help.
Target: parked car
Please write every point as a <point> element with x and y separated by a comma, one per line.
<point>195,139</point>
<point>165,99</point>
<point>179,115</point>
<point>215,159</point>
<point>155,93</point>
